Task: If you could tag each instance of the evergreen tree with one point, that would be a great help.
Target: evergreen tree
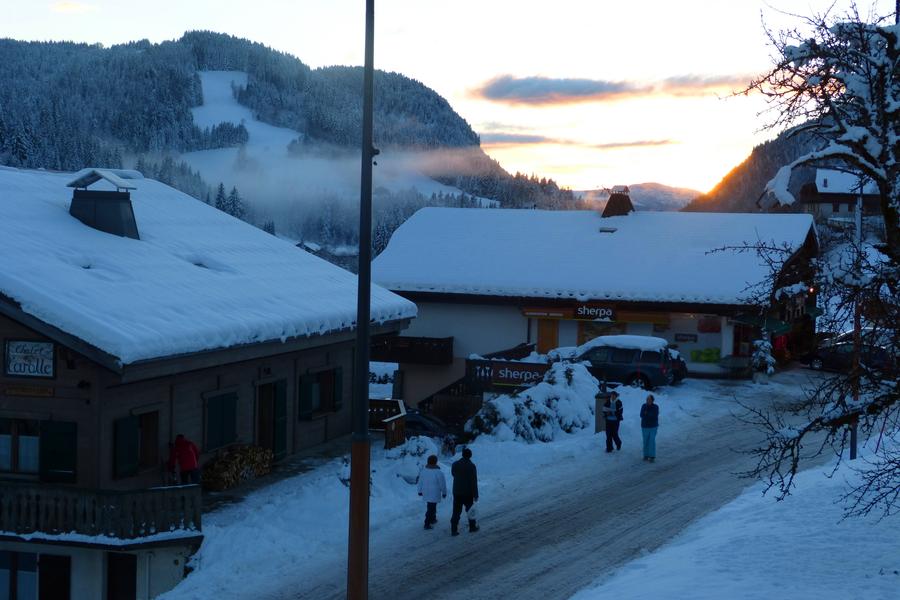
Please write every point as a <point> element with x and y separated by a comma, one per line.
<point>234,204</point>
<point>221,198</point>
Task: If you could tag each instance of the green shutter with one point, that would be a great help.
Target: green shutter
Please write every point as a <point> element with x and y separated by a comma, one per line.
<point>58,451</point>
<point>279,429</point>
<point>304,402</point>
<point>338,389</point>
<point>214,422</point>
<point>126,442</point>
<point>229,418</point>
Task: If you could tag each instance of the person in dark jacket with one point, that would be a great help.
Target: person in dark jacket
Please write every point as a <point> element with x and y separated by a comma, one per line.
<point>465,491</point>
<point>185,454</point>
<point>612,412</point>
<point>649,425</point>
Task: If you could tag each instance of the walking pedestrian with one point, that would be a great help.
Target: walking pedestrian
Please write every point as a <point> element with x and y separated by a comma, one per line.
<point>432,487</point>
<point>184,453</point>
<point>465,491</point>
<point>649,425</point>
<point>612,412</point>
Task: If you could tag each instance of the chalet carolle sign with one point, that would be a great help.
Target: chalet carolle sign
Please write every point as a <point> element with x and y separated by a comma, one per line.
<point>28,358</point>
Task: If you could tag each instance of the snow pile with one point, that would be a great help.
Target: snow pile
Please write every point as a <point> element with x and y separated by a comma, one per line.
<point>408,459</point>
<point>562,402</point>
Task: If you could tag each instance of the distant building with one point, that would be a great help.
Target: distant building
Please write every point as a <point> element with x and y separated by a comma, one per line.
<point>485,281</point>
<point>128,316</point>
<point>834,194</point>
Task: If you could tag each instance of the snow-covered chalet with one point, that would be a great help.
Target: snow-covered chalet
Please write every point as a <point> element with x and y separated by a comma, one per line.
<point>486,281</point>
<point>130,313</point>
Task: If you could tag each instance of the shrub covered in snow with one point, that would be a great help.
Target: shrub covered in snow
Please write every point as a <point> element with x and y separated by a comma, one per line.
<point>762,358</point>
<point>410,457</point>
<point>562,402</point>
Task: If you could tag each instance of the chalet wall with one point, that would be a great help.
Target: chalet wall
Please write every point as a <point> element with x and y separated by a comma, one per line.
<point>70,396</point>
<point>476,328</point>
<point>93,397</point>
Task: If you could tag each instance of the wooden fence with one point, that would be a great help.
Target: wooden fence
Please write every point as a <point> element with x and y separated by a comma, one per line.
<point>35,508</point>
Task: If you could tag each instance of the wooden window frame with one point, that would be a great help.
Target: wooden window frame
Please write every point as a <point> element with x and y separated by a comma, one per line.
<point>14,470</point>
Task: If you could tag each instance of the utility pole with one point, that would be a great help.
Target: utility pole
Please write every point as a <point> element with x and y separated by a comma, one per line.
<point>857,320</point>
<point>360,454</point>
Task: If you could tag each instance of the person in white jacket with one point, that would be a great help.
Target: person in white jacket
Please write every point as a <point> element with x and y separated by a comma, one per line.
<point>432,487</point>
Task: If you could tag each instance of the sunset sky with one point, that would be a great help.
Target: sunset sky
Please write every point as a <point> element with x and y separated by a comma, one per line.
<point>592,93</point>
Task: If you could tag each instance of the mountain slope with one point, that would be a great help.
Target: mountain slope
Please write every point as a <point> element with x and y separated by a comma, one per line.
<point>739,190</point>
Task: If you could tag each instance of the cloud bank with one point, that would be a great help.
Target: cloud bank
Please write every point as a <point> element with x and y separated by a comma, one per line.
<point>545,91</point>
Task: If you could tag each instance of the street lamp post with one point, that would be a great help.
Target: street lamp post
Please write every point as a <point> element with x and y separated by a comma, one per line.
<point>358,544</point>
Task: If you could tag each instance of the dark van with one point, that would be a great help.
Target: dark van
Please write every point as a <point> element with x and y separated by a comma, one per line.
<point>645,369</point>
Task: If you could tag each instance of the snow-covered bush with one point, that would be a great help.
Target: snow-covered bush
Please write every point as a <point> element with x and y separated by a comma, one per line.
<point>562,402</point>
<point>410,457</point>
<point>762,358</point>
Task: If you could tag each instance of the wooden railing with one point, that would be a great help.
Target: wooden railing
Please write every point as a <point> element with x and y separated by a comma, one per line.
<point>28,508</point>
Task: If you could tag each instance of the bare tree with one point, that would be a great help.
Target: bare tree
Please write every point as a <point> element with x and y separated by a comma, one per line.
<point>838,78</point>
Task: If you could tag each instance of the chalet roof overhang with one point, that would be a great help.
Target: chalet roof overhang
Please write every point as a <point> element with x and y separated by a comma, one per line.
<point>180,363</point>
<point>527,301</point>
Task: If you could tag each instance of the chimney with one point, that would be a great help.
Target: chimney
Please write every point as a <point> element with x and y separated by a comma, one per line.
<point>619,203</point>
<point>106,211</point>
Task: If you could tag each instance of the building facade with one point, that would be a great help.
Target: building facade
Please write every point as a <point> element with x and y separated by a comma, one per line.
<point>112,348</point>
<point>488,282</point>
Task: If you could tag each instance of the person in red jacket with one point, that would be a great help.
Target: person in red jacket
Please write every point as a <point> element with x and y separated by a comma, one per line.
<point>185,453</point>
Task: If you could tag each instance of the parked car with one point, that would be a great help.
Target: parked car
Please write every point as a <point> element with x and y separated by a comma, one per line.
<point>640,361</point>
<point>679,366</point>
<point>839,357</point>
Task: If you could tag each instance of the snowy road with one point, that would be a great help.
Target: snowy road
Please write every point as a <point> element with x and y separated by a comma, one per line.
<point>540,545</point>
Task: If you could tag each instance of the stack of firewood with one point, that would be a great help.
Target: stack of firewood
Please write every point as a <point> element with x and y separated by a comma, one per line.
<point>235,465</point>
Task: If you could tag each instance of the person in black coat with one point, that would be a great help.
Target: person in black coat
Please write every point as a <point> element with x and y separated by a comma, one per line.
<point>612,413</point>
<point>465,491</point>
<point>649,425</point>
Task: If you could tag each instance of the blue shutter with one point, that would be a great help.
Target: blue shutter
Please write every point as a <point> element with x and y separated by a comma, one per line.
<point>59,451</point>
<point>338,389</point>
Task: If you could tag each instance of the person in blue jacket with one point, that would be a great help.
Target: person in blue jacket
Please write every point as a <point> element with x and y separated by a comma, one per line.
<point>649,425</point>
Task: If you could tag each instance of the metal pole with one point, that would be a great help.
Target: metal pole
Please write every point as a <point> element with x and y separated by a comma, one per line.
<point>358,544</point>
<point>857,324</point>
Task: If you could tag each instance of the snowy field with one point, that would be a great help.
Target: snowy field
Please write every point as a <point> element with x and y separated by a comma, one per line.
<point>757,548</point>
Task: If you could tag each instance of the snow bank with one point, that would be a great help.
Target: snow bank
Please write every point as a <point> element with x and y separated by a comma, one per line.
<point>562,402</point>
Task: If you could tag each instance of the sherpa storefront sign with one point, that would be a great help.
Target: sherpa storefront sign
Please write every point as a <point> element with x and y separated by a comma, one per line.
<point>27,358</point>
<point>585,311</point>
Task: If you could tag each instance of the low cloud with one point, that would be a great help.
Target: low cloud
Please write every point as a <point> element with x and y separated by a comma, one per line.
<point>632,144</point>
<point>519,139</point>
<point>546,91</point>
<point>503,139</point>
<point>70,7</point>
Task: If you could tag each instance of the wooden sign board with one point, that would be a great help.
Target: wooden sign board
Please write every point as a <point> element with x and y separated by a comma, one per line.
<point>29,358</point>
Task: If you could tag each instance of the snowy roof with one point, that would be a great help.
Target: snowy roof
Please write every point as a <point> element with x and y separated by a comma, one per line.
<point>651,256</point>
<point>116,177</point>
<point>829,181</point>
<point>197,280</point>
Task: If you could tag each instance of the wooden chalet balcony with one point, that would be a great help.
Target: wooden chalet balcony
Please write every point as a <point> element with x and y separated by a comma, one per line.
<point>415,350</point>
<point>157,513</point>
